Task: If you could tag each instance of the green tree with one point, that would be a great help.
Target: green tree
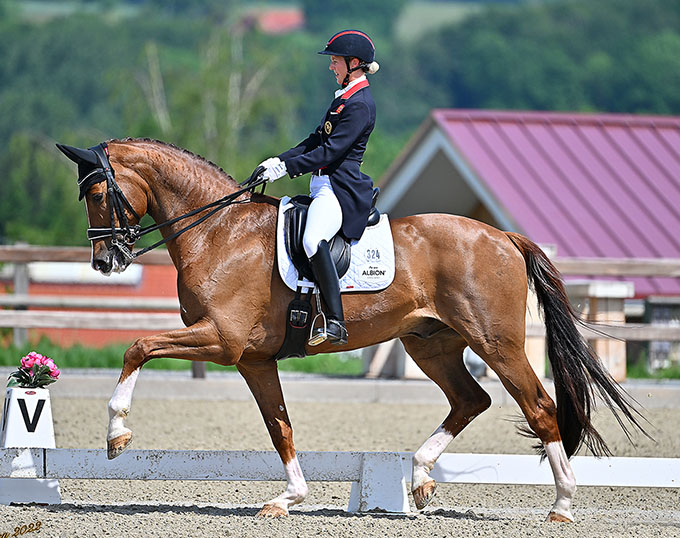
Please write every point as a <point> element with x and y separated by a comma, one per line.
<point>368,15</point>
<point>653,67</point>
<point>229,106</point>
<point>610,55</point>
<point>37,196</point>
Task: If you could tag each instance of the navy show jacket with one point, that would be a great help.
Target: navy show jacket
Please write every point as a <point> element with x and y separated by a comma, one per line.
<point>336,148</point>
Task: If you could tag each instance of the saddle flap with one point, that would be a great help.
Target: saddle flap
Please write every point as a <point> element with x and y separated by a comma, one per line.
<point>341,252</point>
<point>294,229</point>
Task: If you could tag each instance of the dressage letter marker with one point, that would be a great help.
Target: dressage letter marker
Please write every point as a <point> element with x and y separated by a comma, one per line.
<point>27,422</point>
<point>31,423</point>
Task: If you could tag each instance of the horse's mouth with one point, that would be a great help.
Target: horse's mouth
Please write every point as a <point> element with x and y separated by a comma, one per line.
<point>113,261</point>
<point>120,263</point>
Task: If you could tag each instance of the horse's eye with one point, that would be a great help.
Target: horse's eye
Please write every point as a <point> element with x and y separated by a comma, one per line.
<point>98,197</point>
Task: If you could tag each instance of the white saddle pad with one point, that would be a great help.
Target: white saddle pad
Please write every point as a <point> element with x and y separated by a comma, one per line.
<point>372,266</point>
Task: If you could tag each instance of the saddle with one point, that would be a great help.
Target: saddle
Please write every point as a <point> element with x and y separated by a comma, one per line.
<point>294,229</point>
<point>300,308</point>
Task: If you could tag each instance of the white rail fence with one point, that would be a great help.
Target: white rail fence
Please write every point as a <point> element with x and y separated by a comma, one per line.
<point>31,319</point>
<point>153,312</point>
<point>378,478</point>
<point>22,319</point>
<point>19,318</point>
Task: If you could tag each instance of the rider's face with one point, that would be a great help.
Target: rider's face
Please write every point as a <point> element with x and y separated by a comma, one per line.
<point>339,67</point>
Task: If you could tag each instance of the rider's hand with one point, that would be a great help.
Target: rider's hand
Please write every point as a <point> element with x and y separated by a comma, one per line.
<point>274,168</point>
<point>266,162</point>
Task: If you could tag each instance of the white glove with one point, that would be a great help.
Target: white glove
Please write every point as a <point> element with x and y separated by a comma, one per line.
<point>266,162</point>
<point>274,168</point>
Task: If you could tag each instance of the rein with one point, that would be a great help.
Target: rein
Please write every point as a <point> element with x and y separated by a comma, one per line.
<point>123,238</point>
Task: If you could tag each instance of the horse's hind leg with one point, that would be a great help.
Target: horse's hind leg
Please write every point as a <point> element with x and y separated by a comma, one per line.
<point>441,358</point>
<point>197,342</point>
<point>519,379</point>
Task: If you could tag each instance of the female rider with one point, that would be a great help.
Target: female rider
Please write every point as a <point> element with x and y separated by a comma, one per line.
<point>341,193</point>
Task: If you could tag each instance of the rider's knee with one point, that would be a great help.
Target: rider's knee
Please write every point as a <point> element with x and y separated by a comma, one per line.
<point>310,243</point>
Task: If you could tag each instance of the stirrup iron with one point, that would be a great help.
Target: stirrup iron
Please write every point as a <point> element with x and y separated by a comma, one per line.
<point>322,335</point>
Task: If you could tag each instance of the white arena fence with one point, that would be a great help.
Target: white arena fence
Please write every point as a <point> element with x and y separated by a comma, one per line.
<point>378,478</point>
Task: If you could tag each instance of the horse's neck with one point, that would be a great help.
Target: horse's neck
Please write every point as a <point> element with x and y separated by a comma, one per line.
<point>180,183</point>
<point>177,190</point>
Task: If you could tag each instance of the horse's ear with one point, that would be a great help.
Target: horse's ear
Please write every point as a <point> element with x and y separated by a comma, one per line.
<point>78,155</point>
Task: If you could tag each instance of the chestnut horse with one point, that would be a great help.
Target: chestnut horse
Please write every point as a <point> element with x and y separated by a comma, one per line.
<point>458,283</point>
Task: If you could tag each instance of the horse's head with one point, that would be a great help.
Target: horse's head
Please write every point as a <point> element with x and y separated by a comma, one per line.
<point>115,202</point>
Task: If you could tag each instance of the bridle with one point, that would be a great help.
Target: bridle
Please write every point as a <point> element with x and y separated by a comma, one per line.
<point>126,235</point>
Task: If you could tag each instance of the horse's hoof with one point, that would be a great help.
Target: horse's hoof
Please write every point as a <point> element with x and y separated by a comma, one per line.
<point>116,446</point>
<point>559,518</point>
<point>272,511</point>
<point>423,495</point>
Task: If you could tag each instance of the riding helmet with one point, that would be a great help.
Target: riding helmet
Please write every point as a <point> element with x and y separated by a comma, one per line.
<point>356,44</point>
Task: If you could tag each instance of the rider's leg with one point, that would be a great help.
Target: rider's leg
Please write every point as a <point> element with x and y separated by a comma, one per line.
<point>324,217</point>
<point>324,220</point>
<point>326,278</point>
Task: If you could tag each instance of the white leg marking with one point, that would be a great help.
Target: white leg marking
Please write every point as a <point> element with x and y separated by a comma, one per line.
<point>564,478</point>
<point>119,405</point>
<point>296,491</point>
<point>426,456</point>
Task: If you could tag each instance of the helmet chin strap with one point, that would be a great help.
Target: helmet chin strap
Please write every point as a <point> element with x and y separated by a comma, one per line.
<point>350,70</point>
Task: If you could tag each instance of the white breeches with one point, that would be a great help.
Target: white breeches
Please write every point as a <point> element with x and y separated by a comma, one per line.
<point>324,218</point>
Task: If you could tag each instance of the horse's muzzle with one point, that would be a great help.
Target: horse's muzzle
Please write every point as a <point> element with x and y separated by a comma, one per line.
<point>102,261</point>
<point>109,260</point>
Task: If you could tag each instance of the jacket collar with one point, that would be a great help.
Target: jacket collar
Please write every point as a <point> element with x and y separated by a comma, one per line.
<point>352,87</point>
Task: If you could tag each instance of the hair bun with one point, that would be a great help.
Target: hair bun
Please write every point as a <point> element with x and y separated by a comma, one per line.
<point>373,68</point>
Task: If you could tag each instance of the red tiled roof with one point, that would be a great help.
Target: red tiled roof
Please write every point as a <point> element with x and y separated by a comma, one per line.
<point>594,185</point>
<point>281,21</point>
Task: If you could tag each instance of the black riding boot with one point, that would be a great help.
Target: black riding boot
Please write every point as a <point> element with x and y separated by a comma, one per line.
<point>326,278</point>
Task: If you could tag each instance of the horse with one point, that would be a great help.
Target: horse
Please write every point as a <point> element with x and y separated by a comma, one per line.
<point>458,283</point>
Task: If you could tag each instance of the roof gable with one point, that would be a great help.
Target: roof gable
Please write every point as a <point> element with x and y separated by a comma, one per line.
<point>594,185</point>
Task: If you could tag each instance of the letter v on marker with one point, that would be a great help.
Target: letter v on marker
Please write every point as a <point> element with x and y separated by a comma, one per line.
<point>31,424</point>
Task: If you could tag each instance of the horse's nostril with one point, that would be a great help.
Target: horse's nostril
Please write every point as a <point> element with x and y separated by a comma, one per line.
<point>100,265</point>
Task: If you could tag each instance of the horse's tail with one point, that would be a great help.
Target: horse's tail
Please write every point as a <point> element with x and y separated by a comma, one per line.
<point>576,368</point>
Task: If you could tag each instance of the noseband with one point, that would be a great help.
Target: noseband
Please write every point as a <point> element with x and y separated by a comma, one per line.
<point>123,238</point>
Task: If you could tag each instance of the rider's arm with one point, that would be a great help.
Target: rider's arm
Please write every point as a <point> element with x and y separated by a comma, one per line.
<point>308,144</point>
<point>354,120</point>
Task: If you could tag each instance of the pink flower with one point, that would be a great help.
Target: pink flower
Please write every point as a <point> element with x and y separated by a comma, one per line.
<point>34,358</point>
<point>36,371</point>
<point>29,360</point>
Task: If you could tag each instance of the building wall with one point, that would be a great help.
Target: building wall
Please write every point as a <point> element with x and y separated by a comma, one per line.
<point>156,281</point>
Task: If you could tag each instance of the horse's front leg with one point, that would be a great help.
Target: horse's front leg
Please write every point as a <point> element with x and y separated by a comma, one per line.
<point>197,342</point>
<point>263,380</point>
